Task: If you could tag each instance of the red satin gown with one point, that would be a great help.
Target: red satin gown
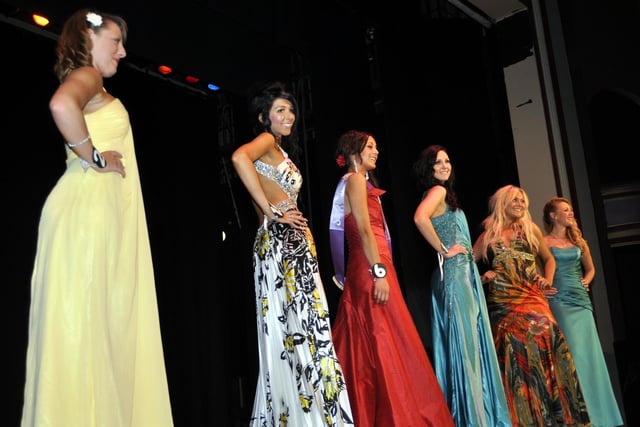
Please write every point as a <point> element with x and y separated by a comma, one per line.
<point>389,377</point>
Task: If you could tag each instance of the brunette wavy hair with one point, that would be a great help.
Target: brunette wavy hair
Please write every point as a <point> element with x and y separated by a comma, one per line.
<point>353,142</point>
<point>73,49</point>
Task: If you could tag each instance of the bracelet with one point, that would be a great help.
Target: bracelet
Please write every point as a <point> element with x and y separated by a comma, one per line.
<point>277,213</point>
<point>445,250</point>
<point>79,143</point>
<point>85,165</point>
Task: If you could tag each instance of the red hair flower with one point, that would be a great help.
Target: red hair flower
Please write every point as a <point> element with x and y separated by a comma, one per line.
<point>340,161</point>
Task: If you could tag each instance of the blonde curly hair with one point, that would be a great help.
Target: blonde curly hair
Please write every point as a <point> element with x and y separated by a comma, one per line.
<point>497,219</point>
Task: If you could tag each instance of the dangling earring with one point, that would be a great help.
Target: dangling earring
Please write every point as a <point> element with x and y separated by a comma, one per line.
<point>355,165</point>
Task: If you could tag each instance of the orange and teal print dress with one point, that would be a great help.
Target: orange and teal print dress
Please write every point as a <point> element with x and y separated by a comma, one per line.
<point>536,364</point>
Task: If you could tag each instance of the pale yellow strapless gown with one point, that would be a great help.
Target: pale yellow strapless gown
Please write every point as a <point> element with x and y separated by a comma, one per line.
<point>94,355</point>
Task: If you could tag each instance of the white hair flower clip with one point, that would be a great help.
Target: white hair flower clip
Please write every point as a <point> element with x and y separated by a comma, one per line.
<point>94,19</point>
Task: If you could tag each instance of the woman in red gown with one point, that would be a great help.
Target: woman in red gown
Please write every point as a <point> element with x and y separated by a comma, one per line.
<point>388,375</point>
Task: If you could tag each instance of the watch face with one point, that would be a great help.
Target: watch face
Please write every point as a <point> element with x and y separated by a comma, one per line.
<point>378,270</point>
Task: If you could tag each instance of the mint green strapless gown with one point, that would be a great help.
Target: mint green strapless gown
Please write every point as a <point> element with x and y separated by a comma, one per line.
<point>573,310</point>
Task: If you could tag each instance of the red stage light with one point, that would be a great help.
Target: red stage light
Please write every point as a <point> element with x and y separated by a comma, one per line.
<point>165,70</point>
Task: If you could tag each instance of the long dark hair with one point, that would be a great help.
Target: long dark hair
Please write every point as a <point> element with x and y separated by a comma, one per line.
<point>424,173</point>
<point>259,107</point>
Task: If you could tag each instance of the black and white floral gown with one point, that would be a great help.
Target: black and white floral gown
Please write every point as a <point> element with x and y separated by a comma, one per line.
<point>300,380</point>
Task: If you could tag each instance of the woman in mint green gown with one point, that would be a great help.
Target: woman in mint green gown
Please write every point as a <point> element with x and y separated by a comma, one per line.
<point>465,358</point>
<point>573,310</point>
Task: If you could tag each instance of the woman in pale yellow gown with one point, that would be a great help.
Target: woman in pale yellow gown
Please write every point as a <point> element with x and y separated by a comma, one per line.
<point>94,355</point>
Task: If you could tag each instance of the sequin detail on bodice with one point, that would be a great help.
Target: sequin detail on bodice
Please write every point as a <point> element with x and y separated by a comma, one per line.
<point>286,175</point>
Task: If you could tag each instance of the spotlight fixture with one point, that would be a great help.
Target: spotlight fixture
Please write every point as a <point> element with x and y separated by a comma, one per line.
<point>165,70</point>
<point>40,24</point>
<point>40,20</point>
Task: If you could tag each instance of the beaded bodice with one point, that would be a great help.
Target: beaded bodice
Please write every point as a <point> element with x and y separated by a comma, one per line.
<point>286,175</point>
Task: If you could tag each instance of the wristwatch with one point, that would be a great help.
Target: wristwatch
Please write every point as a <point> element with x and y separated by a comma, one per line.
<point>378,270</point>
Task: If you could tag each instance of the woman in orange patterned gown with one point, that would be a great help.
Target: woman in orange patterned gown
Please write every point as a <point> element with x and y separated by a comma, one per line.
<point>537,367</point>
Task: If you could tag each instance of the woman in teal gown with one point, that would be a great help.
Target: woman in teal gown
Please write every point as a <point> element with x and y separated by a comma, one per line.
<point>573,310</point>
<point>466,364</point>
